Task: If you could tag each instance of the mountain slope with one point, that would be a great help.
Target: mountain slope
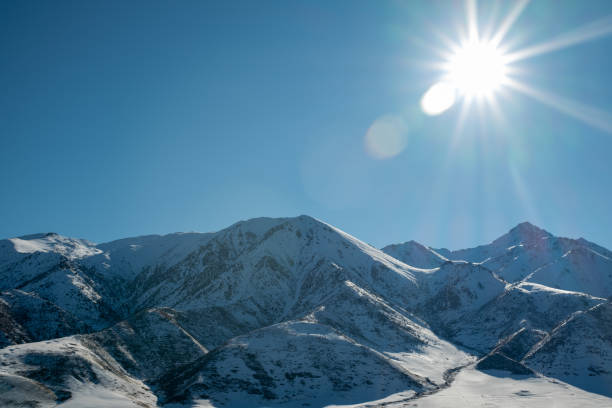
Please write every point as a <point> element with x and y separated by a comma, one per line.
<point>26,317</point>
<point>414,254</point>
<point>580,269</point>
<point>66,370</point>
<point>526,305</point>
<point>292,361</point>
<point>579,350</point>
<point>454,289</point>
<point>148,344</point>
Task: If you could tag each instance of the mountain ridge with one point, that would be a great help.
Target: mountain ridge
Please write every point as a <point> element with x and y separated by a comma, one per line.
<point>298,287</point>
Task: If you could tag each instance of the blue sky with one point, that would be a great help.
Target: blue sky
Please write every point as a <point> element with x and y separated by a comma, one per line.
<point>129,118</point>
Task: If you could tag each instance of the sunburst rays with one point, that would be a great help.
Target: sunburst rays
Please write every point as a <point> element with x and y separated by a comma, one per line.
<point>471,33</point>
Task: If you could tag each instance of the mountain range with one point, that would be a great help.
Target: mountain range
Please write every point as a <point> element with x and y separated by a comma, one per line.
<point>293,312</point>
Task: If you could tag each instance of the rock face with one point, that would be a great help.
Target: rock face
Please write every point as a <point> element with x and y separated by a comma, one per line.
<point>271,311</point>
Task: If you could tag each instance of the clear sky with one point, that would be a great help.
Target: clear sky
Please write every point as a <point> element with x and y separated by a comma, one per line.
<point>123,118</point>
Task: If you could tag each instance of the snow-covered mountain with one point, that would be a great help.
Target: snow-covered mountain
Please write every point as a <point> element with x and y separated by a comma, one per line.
<point>294,312</point>
<point>529,253</point>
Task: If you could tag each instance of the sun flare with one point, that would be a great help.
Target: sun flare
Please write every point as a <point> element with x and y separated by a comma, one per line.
<point>477,69</point>
<point>478,65</point>
<point>473,69</point>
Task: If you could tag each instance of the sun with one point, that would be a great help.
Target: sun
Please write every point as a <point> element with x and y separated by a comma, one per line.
<point>476,69</point>
<point>481,66</point>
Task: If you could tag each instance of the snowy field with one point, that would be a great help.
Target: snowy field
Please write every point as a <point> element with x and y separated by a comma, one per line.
<point>491,389</point>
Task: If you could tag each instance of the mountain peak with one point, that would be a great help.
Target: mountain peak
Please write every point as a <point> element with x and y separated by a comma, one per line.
<point>525,232</point>
<point>72,248</point>
<point>40,235</point>
<point>415,254</point>
<point>526,226</point>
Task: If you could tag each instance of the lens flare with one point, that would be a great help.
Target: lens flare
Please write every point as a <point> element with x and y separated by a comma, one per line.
<point>386,137</point>
<point>438,98</point>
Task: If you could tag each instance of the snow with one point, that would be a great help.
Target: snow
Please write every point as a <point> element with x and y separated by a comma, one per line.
<point>91,395</point>
<point>536,288</point>
<point>414,254</point>
<point>473,388</point>
<point>66,366</point>
<point>68,247</point>
<point>579,350</point>
<point>579,269</point>
<point>297,361</point>
<point>70,291</point>
<point>432,360</point>
<point>470,389</point>
<point>20,391</point>
<point>128,257</point>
